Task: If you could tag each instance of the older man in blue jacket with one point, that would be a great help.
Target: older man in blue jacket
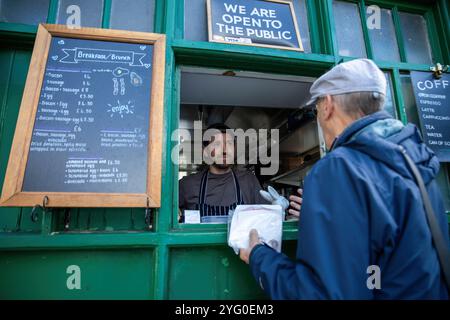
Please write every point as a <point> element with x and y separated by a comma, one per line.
<point>363,232</point>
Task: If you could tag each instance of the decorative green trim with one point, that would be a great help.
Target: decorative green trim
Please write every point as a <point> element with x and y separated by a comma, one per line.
<point>402,5</point>
<point>161,272</point>
<point>397,94</point>
<point>250,58</point>
<point>169,184</point>
<point>178,31</point>
<point>442,21</point>
<point>76,241</point>
<point>159,19</point>
<point>17,35</point>
<point>313,19</point>
<point>365,30</point>
<point>399,34</point>
<point>4,100</point>
<point>175,121</point>
<point>389,6</point>
<point>288,226</point>
<point>17,29</point>
<point>46,223</point>
<point>52,11</point>
<point>333,46</point>
<point>106,18</point>
<point>403,65</point>
<point>433,37</point>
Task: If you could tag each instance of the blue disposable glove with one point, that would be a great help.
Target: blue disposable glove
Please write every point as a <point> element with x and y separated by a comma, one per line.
<point>274,197</point>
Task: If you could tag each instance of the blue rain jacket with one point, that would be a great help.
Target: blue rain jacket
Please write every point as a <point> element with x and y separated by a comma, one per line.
<point>362,208</point>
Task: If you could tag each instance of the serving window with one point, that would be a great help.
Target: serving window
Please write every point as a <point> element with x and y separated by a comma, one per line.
<point>253,102</point>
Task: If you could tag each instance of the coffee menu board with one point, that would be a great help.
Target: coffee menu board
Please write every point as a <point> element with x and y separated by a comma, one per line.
<point>433,105</point>
<point>90,124</point>
<point>265,23</point>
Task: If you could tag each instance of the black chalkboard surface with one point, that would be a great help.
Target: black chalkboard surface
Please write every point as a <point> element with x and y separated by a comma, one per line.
<point>433,104</point>
<point>91,127</point>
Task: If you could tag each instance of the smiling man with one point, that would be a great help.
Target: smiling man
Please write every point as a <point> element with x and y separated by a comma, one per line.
<point>362,214</point>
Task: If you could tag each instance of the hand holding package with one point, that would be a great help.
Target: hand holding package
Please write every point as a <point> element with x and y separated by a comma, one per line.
<point>266,219</point>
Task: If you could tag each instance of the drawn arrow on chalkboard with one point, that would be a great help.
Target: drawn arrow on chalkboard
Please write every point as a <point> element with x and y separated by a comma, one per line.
<point>69,57</point>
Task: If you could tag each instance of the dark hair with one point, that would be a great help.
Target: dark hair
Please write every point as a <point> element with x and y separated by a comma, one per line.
<point>222,127</point>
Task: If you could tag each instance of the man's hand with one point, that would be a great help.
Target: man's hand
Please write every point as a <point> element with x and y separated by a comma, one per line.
<point>244,254</point>
<point>296,203</point>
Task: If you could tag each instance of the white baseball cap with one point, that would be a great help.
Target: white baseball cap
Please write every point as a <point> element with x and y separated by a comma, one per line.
<point>353,76</point>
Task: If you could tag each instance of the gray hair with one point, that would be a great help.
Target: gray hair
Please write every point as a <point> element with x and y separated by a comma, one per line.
<point>357,104</point>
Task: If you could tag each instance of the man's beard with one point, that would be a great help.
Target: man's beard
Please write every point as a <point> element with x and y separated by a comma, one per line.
<point>222,165</point>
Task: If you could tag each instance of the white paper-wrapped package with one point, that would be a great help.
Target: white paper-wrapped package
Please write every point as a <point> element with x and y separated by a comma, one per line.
<point>266,219</point>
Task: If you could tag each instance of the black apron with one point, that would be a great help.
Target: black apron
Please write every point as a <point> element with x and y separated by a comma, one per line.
<point>207,211</point>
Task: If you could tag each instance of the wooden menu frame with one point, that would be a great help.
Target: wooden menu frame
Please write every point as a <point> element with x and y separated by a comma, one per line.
<point>12,194</point>
<point>294,19</point>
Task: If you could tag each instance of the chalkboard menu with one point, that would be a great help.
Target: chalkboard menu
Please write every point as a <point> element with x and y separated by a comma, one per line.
<point>94,136</point>
<point>267,23</point>
<point>91,127</point>
<point>433,104</point>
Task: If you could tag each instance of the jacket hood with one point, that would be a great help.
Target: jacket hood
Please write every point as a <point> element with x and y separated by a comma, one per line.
<point>379,136</point>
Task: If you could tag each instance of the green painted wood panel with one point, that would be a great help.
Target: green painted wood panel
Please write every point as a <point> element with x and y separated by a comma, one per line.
<point>9,219</point>
<point>209,273</point>
<point>213,272</point>
<point>14,65</point>
<point>104,274</point>
<point>98,219</point>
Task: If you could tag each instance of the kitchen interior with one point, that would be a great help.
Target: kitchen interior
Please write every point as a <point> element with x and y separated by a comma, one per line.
<point>246,100</point>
